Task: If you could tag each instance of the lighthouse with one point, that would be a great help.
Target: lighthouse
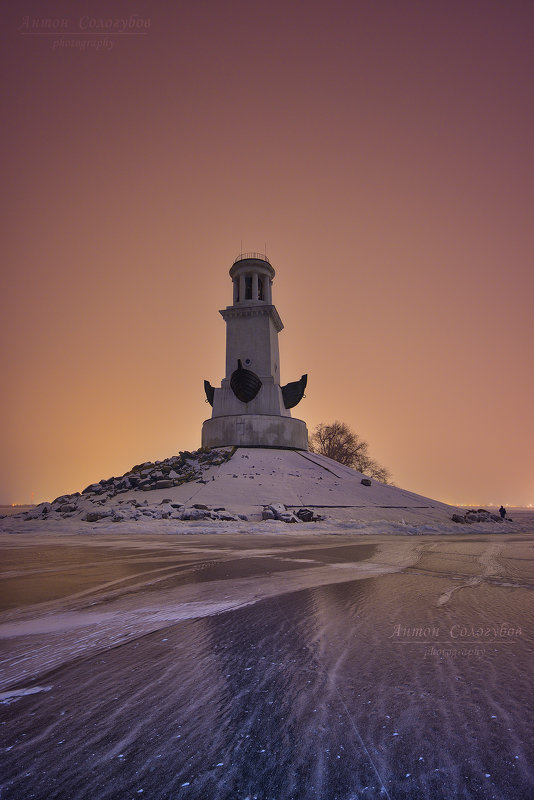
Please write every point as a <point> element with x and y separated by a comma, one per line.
<point>251,408</point>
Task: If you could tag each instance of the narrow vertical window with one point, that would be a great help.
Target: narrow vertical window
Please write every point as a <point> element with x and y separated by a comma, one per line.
<point>248,287</point>
<point>260,289</point>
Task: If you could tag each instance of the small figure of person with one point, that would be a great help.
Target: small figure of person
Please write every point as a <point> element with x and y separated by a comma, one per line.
<point>502,512</point>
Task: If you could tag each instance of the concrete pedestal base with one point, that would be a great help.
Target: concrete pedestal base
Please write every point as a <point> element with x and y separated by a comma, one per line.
<point>255,430</point>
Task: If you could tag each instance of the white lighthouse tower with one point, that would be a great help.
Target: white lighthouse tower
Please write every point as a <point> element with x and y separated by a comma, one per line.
<point>251,409</point>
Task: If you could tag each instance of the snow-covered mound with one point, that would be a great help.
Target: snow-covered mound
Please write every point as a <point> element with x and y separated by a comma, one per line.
<point>244,483</point>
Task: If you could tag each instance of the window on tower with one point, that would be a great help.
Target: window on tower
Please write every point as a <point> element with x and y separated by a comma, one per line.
<point>260,289</point>
<point>248,287</point>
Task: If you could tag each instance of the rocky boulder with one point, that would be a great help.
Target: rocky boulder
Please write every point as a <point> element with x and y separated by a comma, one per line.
<point>95,516</point>
<point>280,512</point>
<point>471,516</point>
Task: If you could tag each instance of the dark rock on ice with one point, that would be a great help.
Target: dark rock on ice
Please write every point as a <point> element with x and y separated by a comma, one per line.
<point>470,517</point>
<point>61,499</point>
<point>280,512</point>
<point>67,508</point>
<point>95,516</point>
<point>194,513</point>
<point>93,488</point>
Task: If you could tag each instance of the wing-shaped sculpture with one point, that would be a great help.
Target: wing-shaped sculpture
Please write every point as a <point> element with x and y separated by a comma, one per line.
<point>293,393</point>
<point>245,384</point>
<point>210,391</point>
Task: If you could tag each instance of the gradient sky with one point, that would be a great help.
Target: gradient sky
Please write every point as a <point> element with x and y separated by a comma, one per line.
<point>383,152</point>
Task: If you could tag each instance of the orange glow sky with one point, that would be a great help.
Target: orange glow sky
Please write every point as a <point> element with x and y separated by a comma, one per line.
<point>382,150</point>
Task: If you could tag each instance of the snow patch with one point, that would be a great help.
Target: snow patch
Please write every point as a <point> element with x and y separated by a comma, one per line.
<point>15,694</point>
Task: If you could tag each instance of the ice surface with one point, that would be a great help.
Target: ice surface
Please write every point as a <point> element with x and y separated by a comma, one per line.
<point>276,664</point>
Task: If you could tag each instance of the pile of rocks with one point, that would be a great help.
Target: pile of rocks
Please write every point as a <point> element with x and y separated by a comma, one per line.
<point>183,468</point>
<point>476,516</point>
<point>174,471</point>
<point>127,510</point>
<point>281,512</point>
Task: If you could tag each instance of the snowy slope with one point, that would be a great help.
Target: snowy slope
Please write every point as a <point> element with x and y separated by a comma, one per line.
<point>223,483</point>
<point>255,477</point>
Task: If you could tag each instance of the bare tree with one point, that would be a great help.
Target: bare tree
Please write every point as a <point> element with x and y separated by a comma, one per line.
<point>336,440</point>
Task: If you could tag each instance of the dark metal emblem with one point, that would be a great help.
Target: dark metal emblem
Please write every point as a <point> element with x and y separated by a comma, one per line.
<point>245,384</point>
<point>293,393</point>
<point>210,391</point>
